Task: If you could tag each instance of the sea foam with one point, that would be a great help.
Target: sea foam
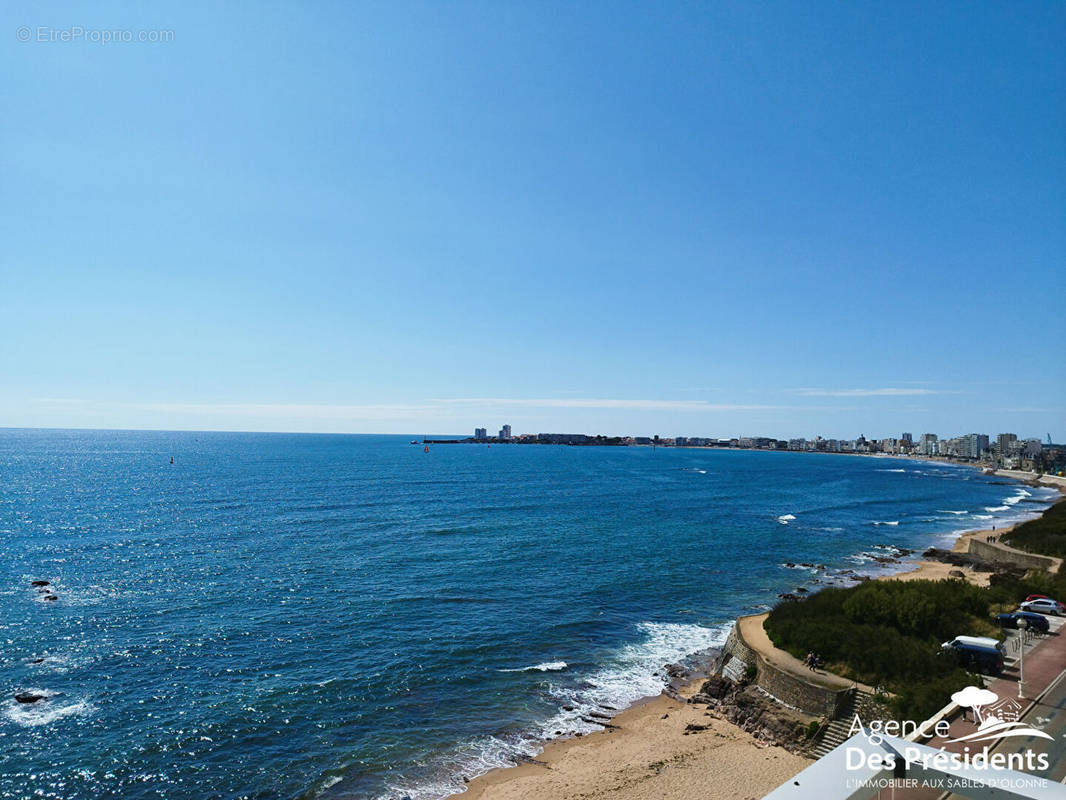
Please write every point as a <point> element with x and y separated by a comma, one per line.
<point>44,712</point>
<point>547,666</point>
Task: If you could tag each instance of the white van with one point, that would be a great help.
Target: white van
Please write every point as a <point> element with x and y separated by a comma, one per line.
<point>975,641</point>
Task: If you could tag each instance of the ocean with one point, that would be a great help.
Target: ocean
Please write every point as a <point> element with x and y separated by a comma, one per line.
<point>305,616</point>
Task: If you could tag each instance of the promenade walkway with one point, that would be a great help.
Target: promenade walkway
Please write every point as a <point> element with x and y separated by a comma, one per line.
<point>754,635</point>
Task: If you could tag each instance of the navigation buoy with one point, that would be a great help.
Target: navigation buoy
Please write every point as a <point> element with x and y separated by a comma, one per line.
<point>427,448</point>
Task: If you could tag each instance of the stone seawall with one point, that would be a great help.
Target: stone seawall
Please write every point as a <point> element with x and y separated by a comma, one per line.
<point>1055,481</point>
<point>784,686</point>
<point>1002,554</point>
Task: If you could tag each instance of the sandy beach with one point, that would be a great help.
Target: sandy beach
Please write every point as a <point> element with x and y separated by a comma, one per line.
<point>648,755</point>
<point>926,569</point>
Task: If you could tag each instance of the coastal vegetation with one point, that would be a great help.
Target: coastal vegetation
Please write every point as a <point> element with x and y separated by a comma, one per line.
<point>1045,534</point>
<point>887,634</point>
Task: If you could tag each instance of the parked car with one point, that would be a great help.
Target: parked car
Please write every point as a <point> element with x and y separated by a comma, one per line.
<point>1044,606</point>
<point>1037,597</point>
<point>1033,621</point>
<point>978,657</point>
<point>974,641</point>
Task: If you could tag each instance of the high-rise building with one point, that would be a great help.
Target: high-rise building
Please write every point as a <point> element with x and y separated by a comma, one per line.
<point>927,444</point>
<point>1006,443</point>
<point>505,432</point>
<point>907,437</point>
<point>481,433</point>
<point>973,444</point>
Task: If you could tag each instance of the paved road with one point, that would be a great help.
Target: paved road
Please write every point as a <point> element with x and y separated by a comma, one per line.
<point>1048,714</point>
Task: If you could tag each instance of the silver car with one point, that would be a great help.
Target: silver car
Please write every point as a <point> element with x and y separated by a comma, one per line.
<point>1047,606</point>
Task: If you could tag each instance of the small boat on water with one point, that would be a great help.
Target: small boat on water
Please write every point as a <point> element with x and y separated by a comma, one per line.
<point>415,441</point>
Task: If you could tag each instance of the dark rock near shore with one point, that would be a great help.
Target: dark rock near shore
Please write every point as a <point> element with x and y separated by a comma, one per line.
<point>956,573</point>
<point>788,596</point>
<point>50,597</point>
<point>40,583</point>
<point>752,711</point>
<point>977,564</point>
<point>675,671</point>
<point>29,697</point>
<point>714,688</point>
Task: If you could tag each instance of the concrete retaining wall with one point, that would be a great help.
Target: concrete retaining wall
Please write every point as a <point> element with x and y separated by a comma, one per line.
<point>1001,554</point>
<point>1055,481</point>
<point>784,686</point>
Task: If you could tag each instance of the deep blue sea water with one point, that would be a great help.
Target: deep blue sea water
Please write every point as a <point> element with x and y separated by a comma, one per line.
<point>289,616</point>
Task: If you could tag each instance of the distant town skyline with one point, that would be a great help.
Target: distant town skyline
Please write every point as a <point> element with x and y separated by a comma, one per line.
<point>450,417</point>
<point>784,219</point>
<point>1004,450</point>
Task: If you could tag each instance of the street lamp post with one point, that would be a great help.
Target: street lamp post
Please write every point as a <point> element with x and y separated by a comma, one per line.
<point>1023,626</point>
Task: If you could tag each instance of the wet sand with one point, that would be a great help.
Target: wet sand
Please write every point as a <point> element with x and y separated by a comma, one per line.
<point>648,757</point>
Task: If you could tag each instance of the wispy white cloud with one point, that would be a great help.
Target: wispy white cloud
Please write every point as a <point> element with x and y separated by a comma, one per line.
<point>1032,410</point>
<point>883,392</point>
<point>291,410</point>
<point>586,402</point>
<point>436,406</point>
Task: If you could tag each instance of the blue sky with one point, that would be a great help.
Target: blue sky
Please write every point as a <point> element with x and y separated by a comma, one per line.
<point>689,218</point>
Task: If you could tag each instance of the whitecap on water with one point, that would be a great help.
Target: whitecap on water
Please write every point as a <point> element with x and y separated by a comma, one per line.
<point>879,522</point>
<point>44,712</point>
<point>784,519</point>
<point>547,666</point>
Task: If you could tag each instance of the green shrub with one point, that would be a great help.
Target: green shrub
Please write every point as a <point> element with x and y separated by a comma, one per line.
<point>887,633</point>
<point>921,699</point>
<point>1045,535</point>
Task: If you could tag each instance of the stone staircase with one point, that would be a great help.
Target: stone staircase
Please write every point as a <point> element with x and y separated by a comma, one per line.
<point>734,669</point>
<point>837,732</point>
